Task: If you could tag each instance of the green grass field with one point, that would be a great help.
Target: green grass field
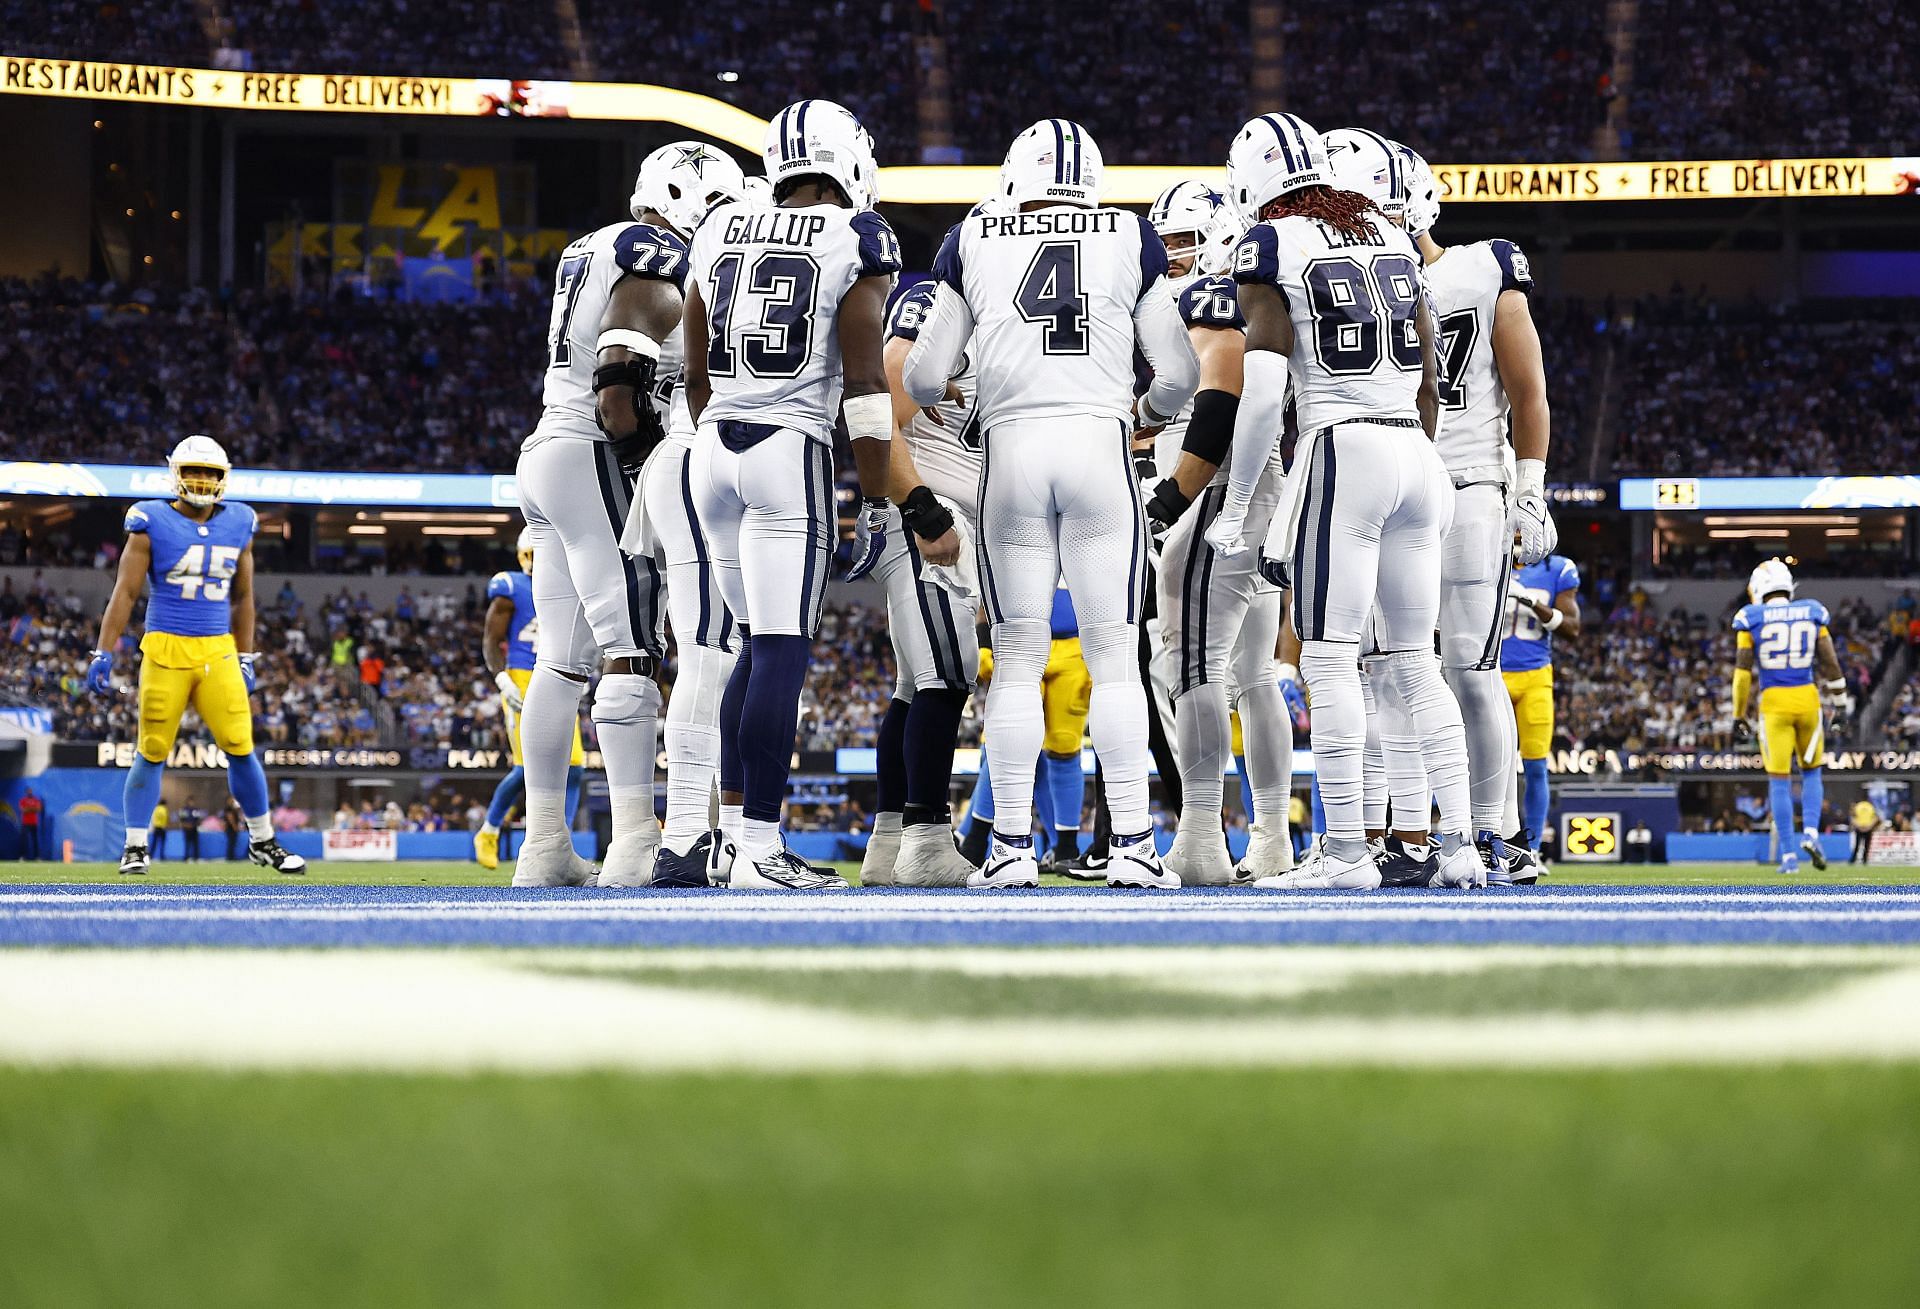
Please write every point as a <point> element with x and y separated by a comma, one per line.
<point>1671,1181</point>
<point>1656,1188</point>
<point>466,873</point>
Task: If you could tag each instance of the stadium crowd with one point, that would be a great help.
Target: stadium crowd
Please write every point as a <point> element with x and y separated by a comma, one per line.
<point>317,383</point>
<point>1831,387</point>
<point>1520,81</point>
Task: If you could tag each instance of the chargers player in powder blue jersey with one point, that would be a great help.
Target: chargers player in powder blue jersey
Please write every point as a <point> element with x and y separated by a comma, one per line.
<point>196,550</point>
<point>1544,599</point>
<point>1787,639</point>
<point>511,630</point>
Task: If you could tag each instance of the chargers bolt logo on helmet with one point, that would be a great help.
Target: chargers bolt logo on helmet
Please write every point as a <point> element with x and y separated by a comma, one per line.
<point>1771,578</point>
<point>819,136</point>
<point>1055,162</point>
<point>1369,164</point>
<point>1201,215</point>
<point>200,469</point>
<point>1271,156</point>
<point>682,181</point>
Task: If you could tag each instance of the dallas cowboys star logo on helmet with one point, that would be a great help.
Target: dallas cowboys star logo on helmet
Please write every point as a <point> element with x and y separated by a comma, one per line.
<point>696,157</point>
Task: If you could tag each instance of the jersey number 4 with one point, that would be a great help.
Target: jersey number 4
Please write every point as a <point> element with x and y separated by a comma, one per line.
<point>782,342</point>
<point>204,572</point>
<point>1050,294</point>
<point>1354,307</point>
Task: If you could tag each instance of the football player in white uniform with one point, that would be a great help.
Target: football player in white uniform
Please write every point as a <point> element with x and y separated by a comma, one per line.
<point>612,343</point>
<point>786,314</point>
<point>664,528</point>
<point>1220,619</point>
<point>1490,371</point>
<point>930,617</point>
<point>1332,295</point>
<point>1050,299</point>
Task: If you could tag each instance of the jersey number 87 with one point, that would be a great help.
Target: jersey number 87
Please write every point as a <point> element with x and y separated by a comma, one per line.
<point>204,572</point>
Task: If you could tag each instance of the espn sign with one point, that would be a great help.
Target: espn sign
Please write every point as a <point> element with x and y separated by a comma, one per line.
<point>360,847</point>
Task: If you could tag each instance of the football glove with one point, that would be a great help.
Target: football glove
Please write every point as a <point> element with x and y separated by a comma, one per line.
<point>509,692</point>
<point>247,673</point>
<point>1533,529</point>
<point>877,514</point>
<point>100,672</point>
<point>1228,527</point>
<point>1276,571</point>
<point>925,515</point>
<point>1742,731</point>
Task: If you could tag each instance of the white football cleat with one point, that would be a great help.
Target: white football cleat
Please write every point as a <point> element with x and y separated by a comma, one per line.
<point>1465,869</point>
<point>1137,867</point>
<point>1008,868</point>
<point>783,870</point>
<point>1208,866</point>
<point>883,851</point>
<point>928,857</point>
<point>1269,853</point>
<point>1328,873</point>
<point>631,857</point>
<point>546,863</point>
<point>271,854</point>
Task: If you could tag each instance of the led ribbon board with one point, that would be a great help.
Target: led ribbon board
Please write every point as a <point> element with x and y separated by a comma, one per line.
<point>500,97</point>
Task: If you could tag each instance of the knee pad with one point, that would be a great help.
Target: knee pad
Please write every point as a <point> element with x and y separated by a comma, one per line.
<point>626,698</point>
<point>1020,649</point>
<point>1112,651</point>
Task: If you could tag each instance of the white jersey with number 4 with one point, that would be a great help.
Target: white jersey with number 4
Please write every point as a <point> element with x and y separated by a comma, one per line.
<point>1356,353</point>
<point>772,278</point>
<point>589,270</point>
<point>1466,283</point>
<point>1053,294</point>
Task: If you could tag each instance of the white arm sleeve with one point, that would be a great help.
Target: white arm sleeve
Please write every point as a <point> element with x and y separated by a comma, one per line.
<point>935,357</point>
<point>1263,402</point>
<point>1164,341</point>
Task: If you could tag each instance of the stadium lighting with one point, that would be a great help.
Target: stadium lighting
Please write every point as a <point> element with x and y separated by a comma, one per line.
<point>488,531</point>
<point>728,75</point>
<point>366,529</point>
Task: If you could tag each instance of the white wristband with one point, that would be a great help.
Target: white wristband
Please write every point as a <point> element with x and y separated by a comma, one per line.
<point>638,342</point>
<point>1837,685</point>
<point>1289,673</point>
<point>869,417</point>
<point>1530,478</point>
<point>1553,620</point>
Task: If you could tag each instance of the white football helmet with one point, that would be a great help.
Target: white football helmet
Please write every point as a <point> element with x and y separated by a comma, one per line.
<point>1423,194</point>
<point>758,190</point>
<point>1055,161</point>
<point>819,136</point>
<point>683,180</point>
<point>1368,163</point>
<point>1272,155</point>
<point>1209,226</point>
<point>200,469</point>
<point>523,550</point>
<point>1770,578</point>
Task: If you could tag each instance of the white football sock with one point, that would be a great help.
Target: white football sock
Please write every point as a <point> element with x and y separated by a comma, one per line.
<point>1332,673</point>
<point>1202,740</point>
<point>1374,791</point>
<point>626,709</point>
<point>693,743</point>
<point>1486,712</point>
<point>547,725</point>
<point>1435,716</point>
<point>1266,730</point>
<point>1016,724</point>
<point>1117,719</point>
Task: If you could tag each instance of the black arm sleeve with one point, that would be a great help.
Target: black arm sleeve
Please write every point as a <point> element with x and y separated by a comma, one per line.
<point>1210,430</point>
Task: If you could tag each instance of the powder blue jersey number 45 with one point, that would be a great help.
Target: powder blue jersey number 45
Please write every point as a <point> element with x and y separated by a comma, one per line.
<point>193,565</point>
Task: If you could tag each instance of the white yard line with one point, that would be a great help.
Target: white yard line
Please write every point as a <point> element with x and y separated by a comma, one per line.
<point>435,1011</point>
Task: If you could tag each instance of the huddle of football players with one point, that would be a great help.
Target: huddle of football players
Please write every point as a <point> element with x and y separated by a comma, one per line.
<point>1080,403</point>
<point>1248,439</point>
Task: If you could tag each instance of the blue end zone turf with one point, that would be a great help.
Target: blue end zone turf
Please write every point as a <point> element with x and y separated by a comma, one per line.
<point>324,916</point>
